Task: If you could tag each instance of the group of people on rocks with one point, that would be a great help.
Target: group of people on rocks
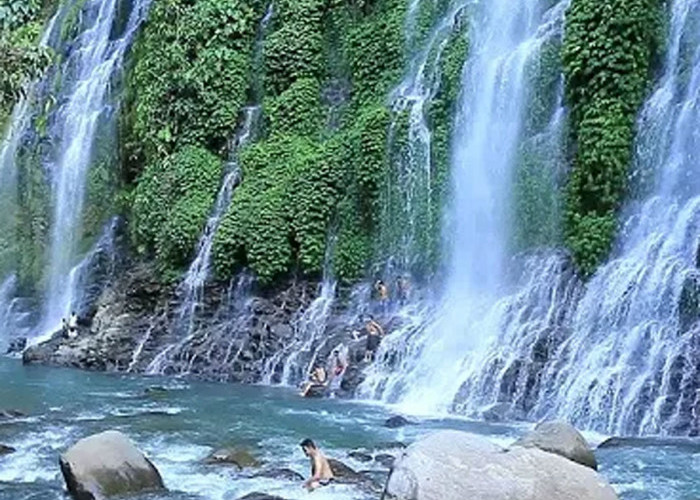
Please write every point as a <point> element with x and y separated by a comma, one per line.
<point>330,376</point>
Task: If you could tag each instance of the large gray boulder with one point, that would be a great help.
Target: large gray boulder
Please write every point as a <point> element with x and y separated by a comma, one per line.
<point>453,465</point>
<point>562,439</point>
<point>107,464</point>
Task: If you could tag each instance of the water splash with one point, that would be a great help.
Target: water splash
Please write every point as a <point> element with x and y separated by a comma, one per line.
<point>630,366</point>
<point>425,369</point>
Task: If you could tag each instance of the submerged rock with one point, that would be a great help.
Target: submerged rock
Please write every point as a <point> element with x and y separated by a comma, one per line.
<point>453,465</point>
<point>385,460</point>
<point>11,413</point>
<point>105,465</point>
<point>6,450</point>
<point>397,421</point>
<point>285,474</point>
<point>690,444</point>
<point>360,456</point>
<point>562,439</point>
<point>260,496</point>
<point>240,457</point>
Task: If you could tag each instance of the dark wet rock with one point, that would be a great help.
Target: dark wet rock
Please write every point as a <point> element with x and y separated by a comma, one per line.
<point>561,439</point>
<point>260,496</point>
<point>10,414</point>
<point>6,450</point>
<point>497,412</point>
<point>390,445</point>
<point>397,421</point>
<point>16,346</point>
<point>240,457</point>
<point>385,460</point>
<point>348,475</point>
<point>285,474</point>
<point>317,391</point>
<point>453,465</point>
<point>360,456</point>
<point>155,391</point>
<point>107,464</point>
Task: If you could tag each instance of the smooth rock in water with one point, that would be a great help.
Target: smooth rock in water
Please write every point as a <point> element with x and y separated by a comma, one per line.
<point>6,450</point>
<point>260,496</point>
<point>396,421</point>
<point>105,465</point>
<point>155,391</point>
<point>453,465</point>
<point>240,457</point>
<point>286,474</point>
<point>562,439</point>
<point>360,456</point>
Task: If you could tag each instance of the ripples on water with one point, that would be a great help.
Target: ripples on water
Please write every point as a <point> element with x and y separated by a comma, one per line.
<point>177,428</point>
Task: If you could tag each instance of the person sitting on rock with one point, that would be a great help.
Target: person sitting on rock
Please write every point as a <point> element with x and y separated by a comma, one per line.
<point>402,288</point>
<point>318,379</point>
<point>321,472</point>
<point>374,337</point>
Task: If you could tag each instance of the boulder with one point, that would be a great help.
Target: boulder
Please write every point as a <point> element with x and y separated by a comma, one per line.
<point>6,450</point>
<point>396,421</point>
<point>562,439</point>
<point>240,457</point>
<point>286,474</point>
<point>454,465</point>
<point>347,475</point>
<point>105,465</point>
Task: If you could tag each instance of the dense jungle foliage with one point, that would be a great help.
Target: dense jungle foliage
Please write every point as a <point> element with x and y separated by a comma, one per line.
<point>323,184</point>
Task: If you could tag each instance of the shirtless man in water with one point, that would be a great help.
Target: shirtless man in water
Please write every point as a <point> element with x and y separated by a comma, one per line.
<point>321,473</point>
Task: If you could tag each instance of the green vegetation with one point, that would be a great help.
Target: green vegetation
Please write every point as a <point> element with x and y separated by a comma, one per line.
<point>609,50</point>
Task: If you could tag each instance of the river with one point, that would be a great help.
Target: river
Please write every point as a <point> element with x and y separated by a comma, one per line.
<point>179,426</point>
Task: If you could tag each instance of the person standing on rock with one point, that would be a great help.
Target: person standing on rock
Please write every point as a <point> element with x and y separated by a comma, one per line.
<point>375,332</point>
<point>73,325</point>
<point>321,473</point>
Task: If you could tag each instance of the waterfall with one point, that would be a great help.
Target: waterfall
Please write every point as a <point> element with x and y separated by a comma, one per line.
<point>409,203</point>
<point>89,71</point>
<point>198,272</point>
<point>631,363</point>
<point>423,366</point>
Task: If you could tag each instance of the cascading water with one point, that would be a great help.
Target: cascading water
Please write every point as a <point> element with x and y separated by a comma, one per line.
<point>631,363</point>
<point>90,68</point>
<point>434,354</point>
<point>198,272</point>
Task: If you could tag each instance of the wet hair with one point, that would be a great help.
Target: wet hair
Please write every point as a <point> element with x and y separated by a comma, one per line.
<point>308,443</point>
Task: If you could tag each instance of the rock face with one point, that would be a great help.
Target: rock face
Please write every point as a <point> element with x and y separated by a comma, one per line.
<point>452,465</point>
<point>105,465</point>
<point>562,439</point>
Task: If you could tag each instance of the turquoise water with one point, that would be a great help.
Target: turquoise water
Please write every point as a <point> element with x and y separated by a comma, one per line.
<point>181,426</point>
